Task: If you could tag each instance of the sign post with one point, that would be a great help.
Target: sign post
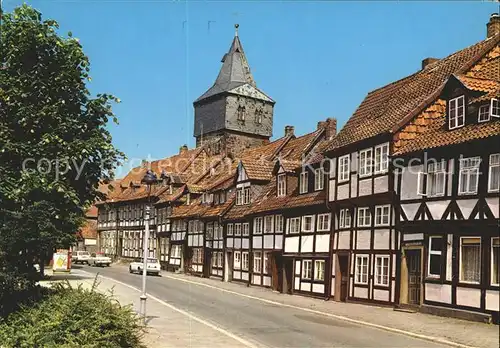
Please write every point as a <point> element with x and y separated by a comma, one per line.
<point>61,261</point>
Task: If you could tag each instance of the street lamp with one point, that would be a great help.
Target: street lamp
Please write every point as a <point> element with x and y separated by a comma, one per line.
<point>148,179</point>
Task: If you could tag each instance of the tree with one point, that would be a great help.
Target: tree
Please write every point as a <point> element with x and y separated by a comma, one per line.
<point>54,145</point>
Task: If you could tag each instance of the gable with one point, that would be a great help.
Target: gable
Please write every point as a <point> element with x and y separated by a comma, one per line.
<point>242,174</point>
<point>248,90</point>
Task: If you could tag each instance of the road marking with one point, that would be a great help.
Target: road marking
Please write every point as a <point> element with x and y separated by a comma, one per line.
<point>195,318</point>
<point>340,317</point>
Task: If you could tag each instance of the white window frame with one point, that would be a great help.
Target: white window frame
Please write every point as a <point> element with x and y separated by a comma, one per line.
<point>280,223</point>
<point>381,159</point>
<point>460,261</point>
<point>494,108</point>
<point>258,225</point>
<point>434,252</point>
<point>245,229</point>
<point>281,185</point>
<point>304,223</point>
<point>384,268</point>
<point>358,276</point>
<point>257,256</point>
<point>344,170</point>
<point>492,268</point>
<point>230,229</point>
<point>237,260</point>
<point>269,229</point>
<point>323,223</point>
<point>483,114</point>
<point>307,271</point>
<point>237,229</point>
<point>294,222</point>
<point>436,171</point>
<point>246,195</point>
<point>239,196</point>
<point>365,162</point>
<point>319,276</point>
<point>366,214</point>
<point>244,261</point>
<point>345,218</point>
<point>265,269</point>
<point>494,162</point>
<point>319,179</point>
<point>470,170</point>
<point>380,212</point>
<point>304,182</point>
<point>459,112</point>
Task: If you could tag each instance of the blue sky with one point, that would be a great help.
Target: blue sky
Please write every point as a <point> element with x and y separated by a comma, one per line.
<point>315,59</point>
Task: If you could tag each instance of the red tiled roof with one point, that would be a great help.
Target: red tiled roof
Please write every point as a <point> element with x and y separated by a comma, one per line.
<point>88,230</point>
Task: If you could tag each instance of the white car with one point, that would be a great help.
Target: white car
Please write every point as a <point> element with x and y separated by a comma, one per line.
<point>99,260</point>
<point>152,266</point>
<point>80,256</point>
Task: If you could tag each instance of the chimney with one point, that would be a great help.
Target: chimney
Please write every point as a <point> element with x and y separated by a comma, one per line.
<point>289,130</point>
<point>493,26</point>
<point>183,149</point>
<point>428,61</point>
<point>144,163</point>
<point>330,128</point>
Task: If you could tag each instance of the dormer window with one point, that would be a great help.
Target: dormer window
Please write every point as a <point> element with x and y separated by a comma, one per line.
<point>243,196</point>
<point>495,108</point>
<point>281,185</point>
<point>319,179</point>
<point>484,113</point>
<point>456,112</point>
<point>303,182</point>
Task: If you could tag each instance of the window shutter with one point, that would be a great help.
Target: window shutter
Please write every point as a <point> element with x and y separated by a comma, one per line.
<point>421,184</point>
<point>495,108</point>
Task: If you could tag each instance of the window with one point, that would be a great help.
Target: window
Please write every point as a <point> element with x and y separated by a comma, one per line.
<point>257,225</point>
<point>197,255</point>
<point>222,197</point>
<point>381,158</point>
<point>258,116</point>
<point>281,185</point>
<point>244,256</point>
<point>361,276</point>
<point>266,262</point>
<point>345,218</point>
<point>219,259</point>
<point>268,224</point>
<point>294,226</point>
<point>495,256</point>
<point>382,215</point>
<point>241,113</point>
<point>344,168</point>
<point>484,113</point>
<point>237,229</point>
<point>257,262</point>
<point>308,223</point>
<point>239,196</point>
<point>469,175</point>
<point>319,270</point>
<point>323,222</point>
<point>246,195</point>
<point>246,229</point>
<point>365,162</point>
<point>319,179</point>
<point>230,229</point>
<point>306,269</point>
<point>364,217</point>
<point>456,112</point>
<point>434,261</point>
<point>382,270</point>
<point>279,223</point>
<point>494,173</point>
<point>303,182</point>
<point>210,230</point>
<point>495,108</point>
<point>436,179</point>
<point>176,251</point>
<point>470,259</point>
<point>237,260</point>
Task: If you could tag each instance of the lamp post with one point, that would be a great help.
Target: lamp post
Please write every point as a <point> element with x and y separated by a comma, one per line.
<point>149,179</point>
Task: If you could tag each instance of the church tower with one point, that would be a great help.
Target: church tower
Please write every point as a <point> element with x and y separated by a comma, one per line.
<point>234,110</point>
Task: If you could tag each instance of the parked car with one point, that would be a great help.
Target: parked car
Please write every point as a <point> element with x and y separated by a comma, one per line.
<point>152,266</point>
<point>99,260</point>
<point>80,256</point>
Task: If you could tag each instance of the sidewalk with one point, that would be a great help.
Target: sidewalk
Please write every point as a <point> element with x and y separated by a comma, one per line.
<point>166,327</point>
<point>463,332</point>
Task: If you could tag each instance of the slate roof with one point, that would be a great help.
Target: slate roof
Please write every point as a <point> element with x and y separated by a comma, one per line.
<point>387,109</point>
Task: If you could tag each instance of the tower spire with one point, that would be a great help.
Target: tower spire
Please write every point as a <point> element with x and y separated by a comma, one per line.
<point>236,26</point>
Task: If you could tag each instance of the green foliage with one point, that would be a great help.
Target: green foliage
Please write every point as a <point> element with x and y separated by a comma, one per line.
<point>73,317</point>
<point>54,144</point>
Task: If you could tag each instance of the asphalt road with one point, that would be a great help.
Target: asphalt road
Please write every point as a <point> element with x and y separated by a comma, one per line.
<point>270,325</point>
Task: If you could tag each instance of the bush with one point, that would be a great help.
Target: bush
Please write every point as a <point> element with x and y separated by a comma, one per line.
<point>72,317</point>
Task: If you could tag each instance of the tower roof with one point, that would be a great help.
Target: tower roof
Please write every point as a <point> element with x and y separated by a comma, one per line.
<point>235,71</point>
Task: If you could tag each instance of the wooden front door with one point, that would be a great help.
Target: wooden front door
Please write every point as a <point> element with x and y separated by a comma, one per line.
<point>344,276</point>
<point>413,261</point>
<point>276,266</point>
<point>230,263</point>
<point>288,275</point>
<point>207,263</point>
